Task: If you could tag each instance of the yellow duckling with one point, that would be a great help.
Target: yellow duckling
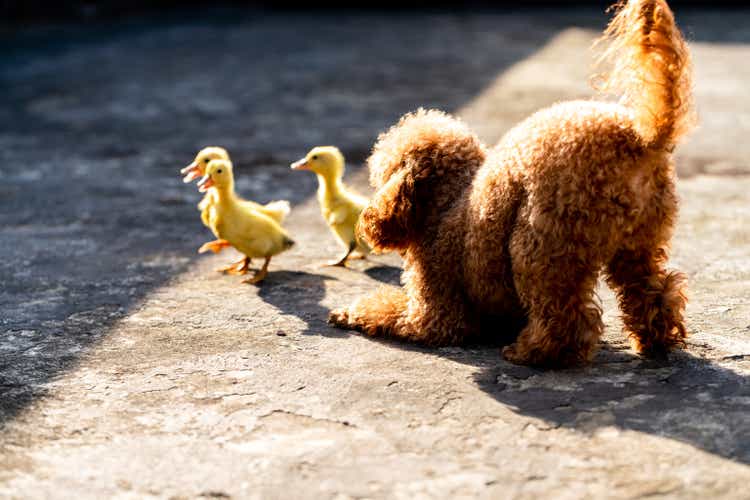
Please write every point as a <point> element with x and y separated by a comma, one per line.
<point>277,210</point>
<point>339,206</point>
<point>235,223</point>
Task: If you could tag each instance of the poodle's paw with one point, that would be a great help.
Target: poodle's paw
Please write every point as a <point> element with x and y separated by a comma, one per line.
<point>659,346</point>
<point>510,353</point>
<point>339,318</point>
<point>562,358</point>
<point>655,351</point>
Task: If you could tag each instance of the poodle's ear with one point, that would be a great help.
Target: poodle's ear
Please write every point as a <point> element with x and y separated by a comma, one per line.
<point>388,221</point>
<point>407,165</point>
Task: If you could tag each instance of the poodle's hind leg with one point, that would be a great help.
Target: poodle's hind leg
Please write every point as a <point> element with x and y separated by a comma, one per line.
<point>564,316</point>
<point>652,300</point>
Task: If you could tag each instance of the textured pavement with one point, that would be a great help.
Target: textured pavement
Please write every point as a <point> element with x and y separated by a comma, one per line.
<point>129,369</point>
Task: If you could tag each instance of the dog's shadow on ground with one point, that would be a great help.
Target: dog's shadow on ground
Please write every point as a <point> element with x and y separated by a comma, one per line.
<point>385,273</point>
<point>686,398</point>
<point>300,294</point>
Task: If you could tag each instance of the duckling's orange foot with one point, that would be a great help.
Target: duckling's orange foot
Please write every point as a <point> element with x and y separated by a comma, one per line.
<point>259,275</point>
<point>338,263</point>
<point>240,267</point>
<point>215,246</point>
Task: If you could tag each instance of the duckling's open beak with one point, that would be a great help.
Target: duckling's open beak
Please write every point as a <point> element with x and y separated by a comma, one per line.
<point>300,164</point>
<point>205,183</point>
<point>191,172</point>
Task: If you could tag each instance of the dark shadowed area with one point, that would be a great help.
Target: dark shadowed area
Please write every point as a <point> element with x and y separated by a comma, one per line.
<point>95,130</point>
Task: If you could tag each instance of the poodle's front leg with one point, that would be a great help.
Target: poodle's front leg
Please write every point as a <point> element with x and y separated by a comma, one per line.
<point>381,314</point>
<point>564,317</point>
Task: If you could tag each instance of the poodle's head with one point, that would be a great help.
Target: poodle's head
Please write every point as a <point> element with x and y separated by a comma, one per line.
<point>406,165</point>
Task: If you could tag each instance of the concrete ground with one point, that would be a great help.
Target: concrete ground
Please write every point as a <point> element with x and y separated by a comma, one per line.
<point>129,369</point>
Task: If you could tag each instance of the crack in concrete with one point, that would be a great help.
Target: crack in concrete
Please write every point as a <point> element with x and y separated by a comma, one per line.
<point>344,423</point>
<point>158,390</point>
<point>446,403</point>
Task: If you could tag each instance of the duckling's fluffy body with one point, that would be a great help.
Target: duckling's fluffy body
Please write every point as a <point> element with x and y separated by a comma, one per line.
<point>236,223</point>
<point>339,206</point>
<point>276,210</point>
<point>249,231</point>
<point>341,210</point>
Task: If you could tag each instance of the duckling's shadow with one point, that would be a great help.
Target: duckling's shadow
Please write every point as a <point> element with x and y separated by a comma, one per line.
<point>300,294</point>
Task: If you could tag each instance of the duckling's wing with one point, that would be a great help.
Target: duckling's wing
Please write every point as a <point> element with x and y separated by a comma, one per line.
<point>277,210</point>
<point>354,198</point>
<point>212,219</point>
<point>360,201</point>
<point>207,200</point>
<point>248,204</point>
<point>205,217</point>
<point>339,215</point>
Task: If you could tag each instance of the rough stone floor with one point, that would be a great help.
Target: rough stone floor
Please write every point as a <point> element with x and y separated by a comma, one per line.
<point>130,369</point>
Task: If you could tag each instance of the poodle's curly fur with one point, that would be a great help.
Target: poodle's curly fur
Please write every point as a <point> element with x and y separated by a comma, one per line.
<point>522,231</point>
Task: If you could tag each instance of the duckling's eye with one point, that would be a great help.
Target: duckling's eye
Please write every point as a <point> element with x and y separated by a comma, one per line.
<point>207,160</point>
<point>218,171</point>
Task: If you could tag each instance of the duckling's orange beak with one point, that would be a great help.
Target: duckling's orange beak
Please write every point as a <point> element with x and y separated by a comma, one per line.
<point>191,172</point>
<point>205,183</point>
<point>300,164</point>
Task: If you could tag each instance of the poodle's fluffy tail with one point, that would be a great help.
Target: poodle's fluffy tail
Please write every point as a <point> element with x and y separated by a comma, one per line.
<point>651,70</point>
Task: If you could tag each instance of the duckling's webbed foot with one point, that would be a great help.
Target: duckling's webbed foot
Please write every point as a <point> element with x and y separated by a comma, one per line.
<point>337,263</point>
<point>237,268</point>
<point>259,275</point>
<point>215,246</point>
<point>342,261</point>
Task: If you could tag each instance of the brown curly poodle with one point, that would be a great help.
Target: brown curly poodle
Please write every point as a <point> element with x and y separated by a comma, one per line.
<point>523,230</point>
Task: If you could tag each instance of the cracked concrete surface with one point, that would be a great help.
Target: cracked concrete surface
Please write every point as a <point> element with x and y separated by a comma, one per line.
<point>129,369</point>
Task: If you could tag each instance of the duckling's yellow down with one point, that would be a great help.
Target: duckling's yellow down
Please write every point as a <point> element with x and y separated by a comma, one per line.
<point>339,206</point>
<point>249,231</point>
<point>277,210</point>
